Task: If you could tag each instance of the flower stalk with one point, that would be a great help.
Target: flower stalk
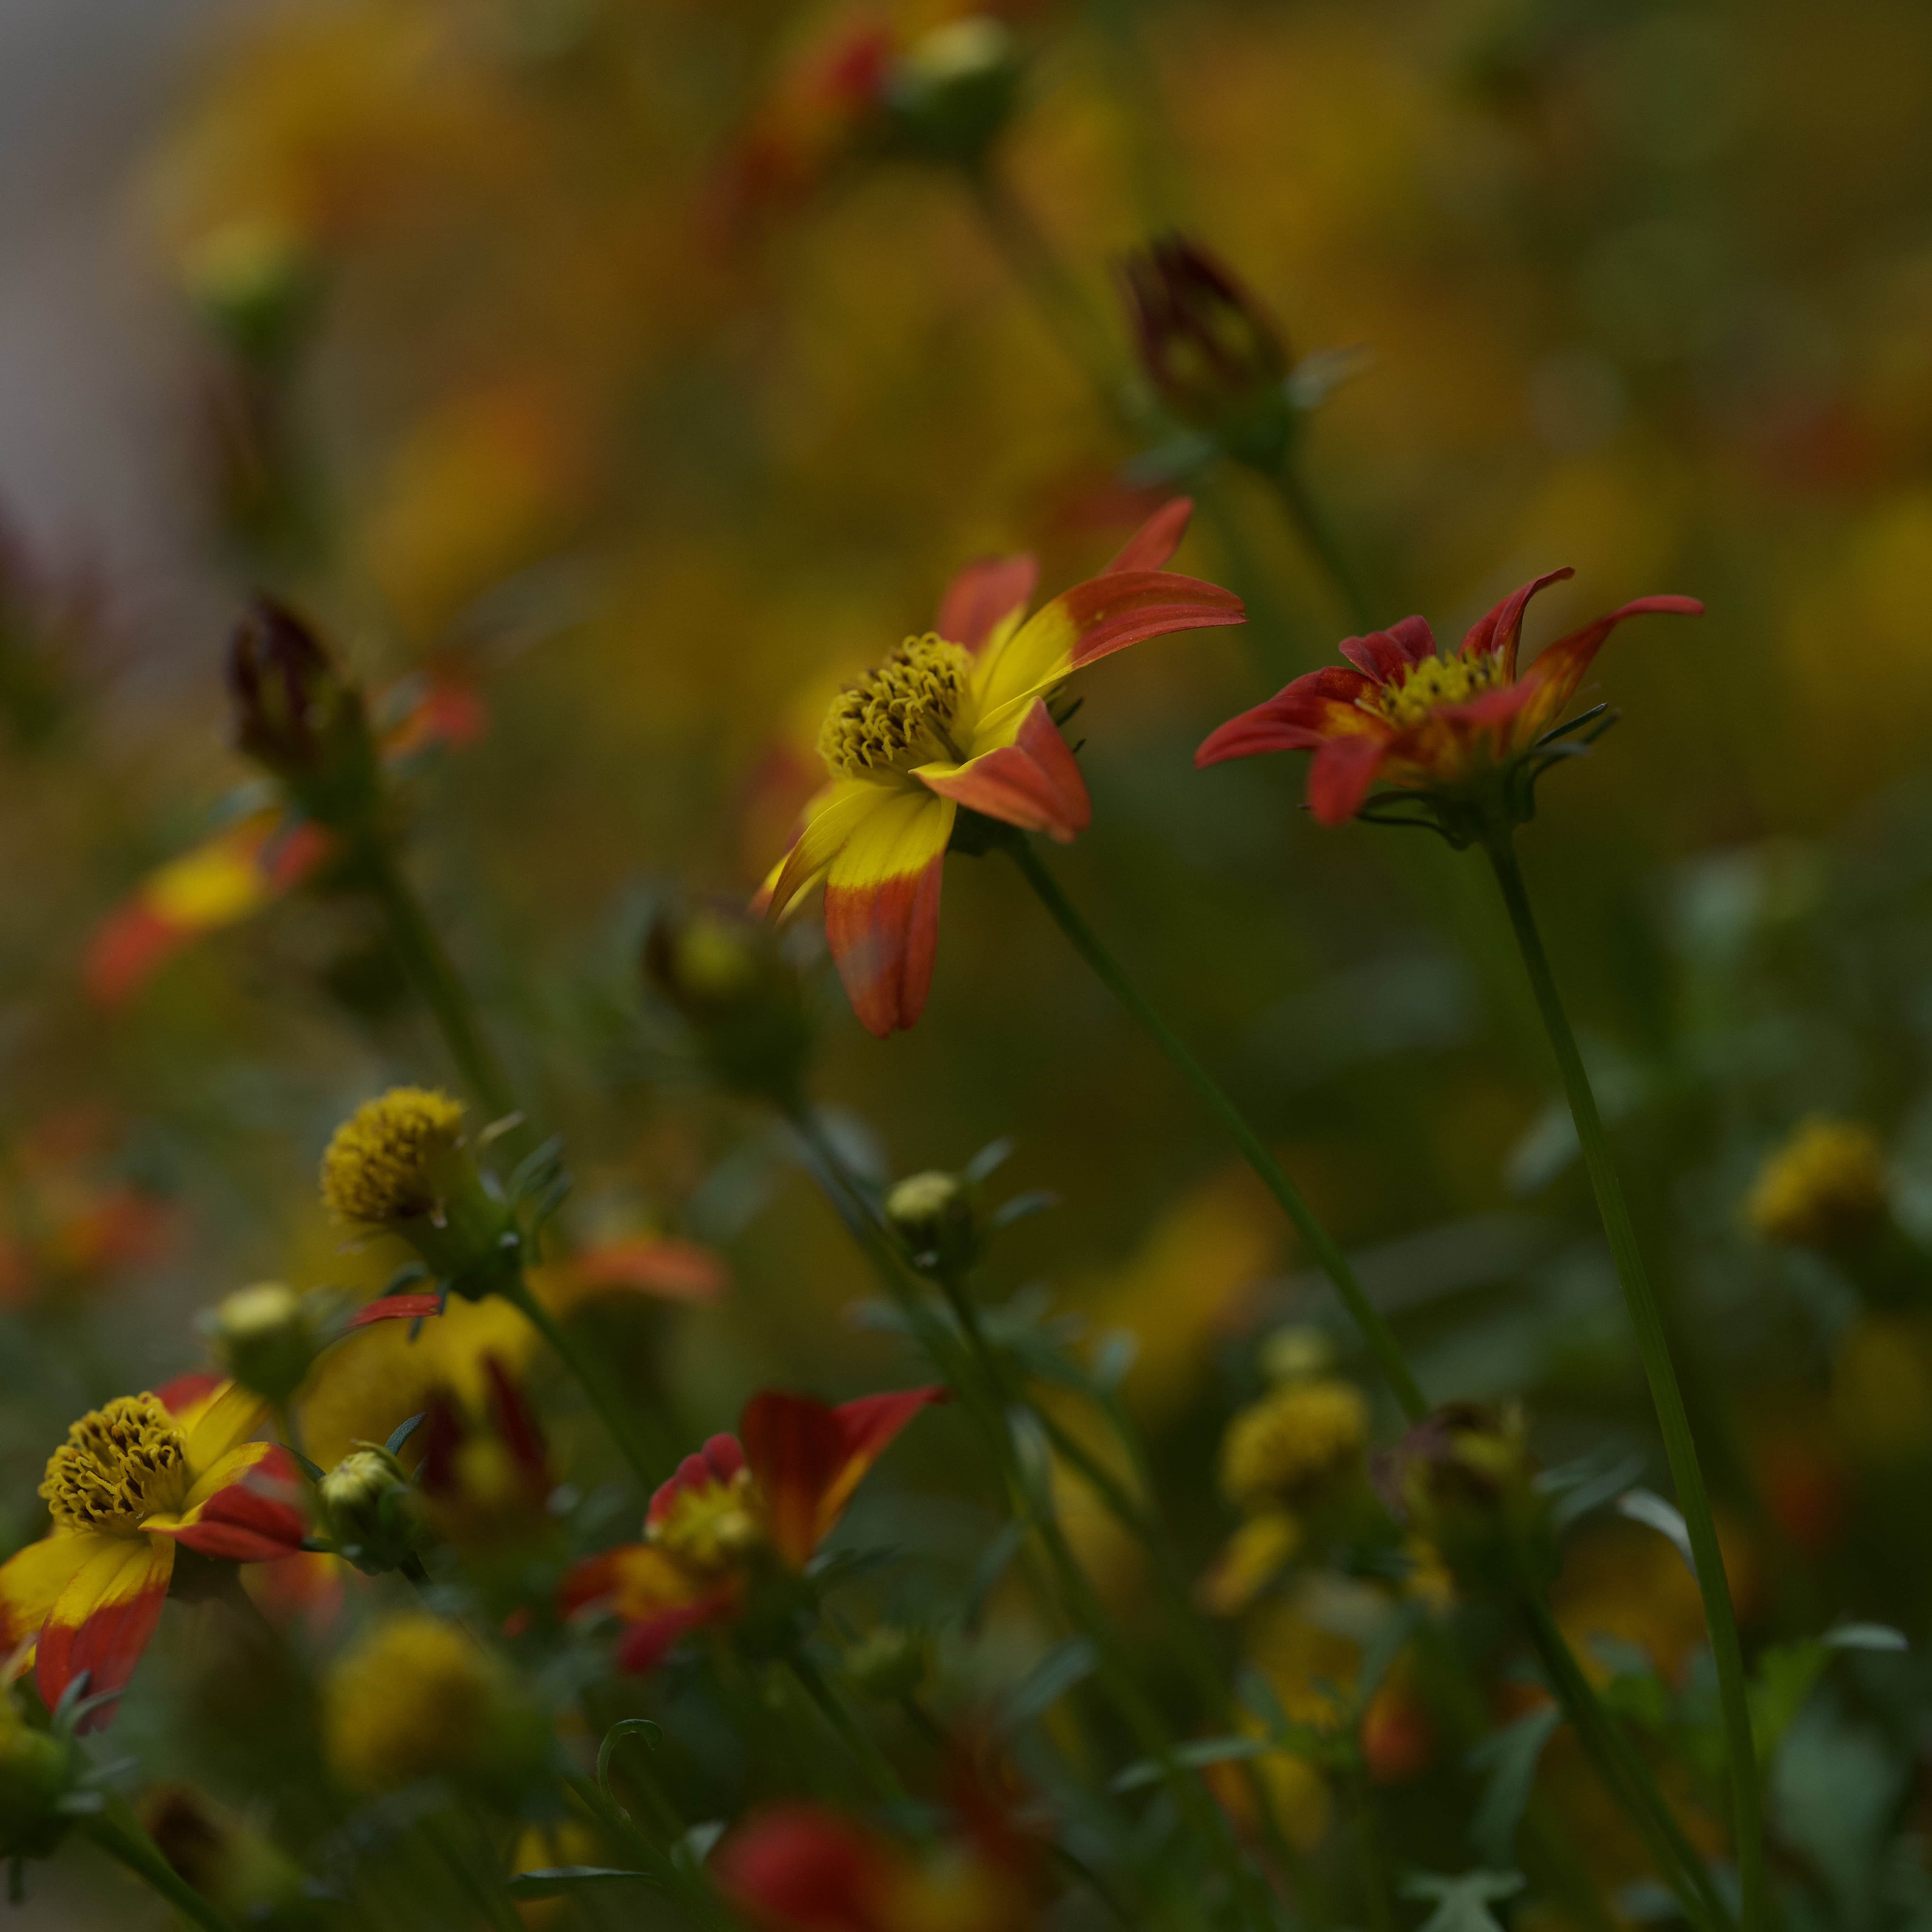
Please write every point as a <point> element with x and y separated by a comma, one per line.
<point>116,1830</point>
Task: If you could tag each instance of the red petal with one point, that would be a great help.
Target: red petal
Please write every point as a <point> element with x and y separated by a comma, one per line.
<point>1501,630</point>
<point>646,1643</point>
<point>716,1463</point>
<point>1156,540</point>
<point>796,1868</point>
<point>128,947</point>
<point>1112,612</point>
<point>1339,779</point>
<point>1552,680</point>
<point>396,1308</point>
<point>657,1264</point>
<point>184,1391</point>
<point>1317,706</point>
<point>796,1450</point>
<point>1382,653</point>
<point>1034,783</point>
<point>884,937</point>
<point>982,594</point>
<point>108,1641</point>
<point>242,1525</point>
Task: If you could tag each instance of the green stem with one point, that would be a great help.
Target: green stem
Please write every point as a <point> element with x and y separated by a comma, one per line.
<point>1368,1318</point>
<point>1645,1317</point>
<point>1625,1774</point>
<point>116,1830</point>
<point>873,1762</point>
<point>651,1465</point>
<point>1372,1860</point>
<point>1313,528</point>
<point>429,968</point>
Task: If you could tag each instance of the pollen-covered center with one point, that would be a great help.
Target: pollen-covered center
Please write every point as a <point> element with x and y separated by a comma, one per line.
<point>713,1527</point>
<point>1436,681</point>
<point>897,715</point>
<point>119,1466</point>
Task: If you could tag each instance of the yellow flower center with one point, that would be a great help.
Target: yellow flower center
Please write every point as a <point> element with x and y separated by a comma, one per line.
<point>1435,681</point>
<point>1825,1187</point>
<point>713,1527</point>
<point>379,1165</point>
<point>118,1466</point>
<point>1290,1445</point>
<point>898,714</point>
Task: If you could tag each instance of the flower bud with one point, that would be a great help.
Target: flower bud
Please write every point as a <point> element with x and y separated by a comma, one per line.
<point>949,95</point>
<point>1462,1479</point>
<point>890,1663</point>
<point>936,1215</point>
<point>37,1769</point>
<point>1297,1445</point>
<point>1296,1353</point>
<point>296,714</point>
<point>371,1510</point>
<point>1825,1186</point>
<point>266,1338</point>
<point>234,1868</point>
<point>722,970</point>
<point>256,284</point>
<point>1209,349</point>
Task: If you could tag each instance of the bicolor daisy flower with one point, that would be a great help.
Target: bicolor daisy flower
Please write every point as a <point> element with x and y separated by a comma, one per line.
<point>959,717</point>
<point>132,1480</point>
<point>1425,723</point>
<point>772,1493</point>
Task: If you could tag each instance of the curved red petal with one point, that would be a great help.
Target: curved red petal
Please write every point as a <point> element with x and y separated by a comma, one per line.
<point>884,937</point>
<point>1111,612</point>
<point>646,1643</point>
<point>1156,540</point>
<point>396,1308</point>
<point>1034,783</point>
<point>1339,779</point>
<point>1501,629</point>
<point>1382,653</point>
<point>985,591</point>
<point>243,1524</point>
<point>796,1450</point>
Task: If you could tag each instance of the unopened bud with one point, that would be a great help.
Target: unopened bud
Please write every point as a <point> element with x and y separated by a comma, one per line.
<point>265,1337</point>
<point>38,1770</point>
<point>296,714</point>
<point>1296,1353</point>
<point>1209,349</point>
<point>936,1215</point>
<point>372,1510</point>
<point>949,94</point>
<point>230,1864</point>
<point>723,970</point>
<point>890,1663</point>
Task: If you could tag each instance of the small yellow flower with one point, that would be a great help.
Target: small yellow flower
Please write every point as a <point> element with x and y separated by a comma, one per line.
<point>1293,1443</point>
<point>417,1700</point>
<point>383,1163</point>
<point>1824,1187</point>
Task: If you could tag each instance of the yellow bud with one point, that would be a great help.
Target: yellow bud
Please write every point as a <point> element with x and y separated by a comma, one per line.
<point>265,1337</point>
<point>371,1509</point>
<point>1825,1187</point>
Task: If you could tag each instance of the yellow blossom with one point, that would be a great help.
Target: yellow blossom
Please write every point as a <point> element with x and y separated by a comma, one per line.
<point>1293,1443</point>
<point>382,1164</point>
<point>417,1700</point>
<point>1823,1187</point>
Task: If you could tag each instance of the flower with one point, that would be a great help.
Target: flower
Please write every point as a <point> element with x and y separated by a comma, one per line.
<point>1443,727</point>
<point>133,1480</point>
<point>775,1491</point>
<point>386,1162</point>
<point>959,717</point>
<point>1824,1187</point>
<point>937,1216</point>
<point>1293,1443</point>
<point>372,1510</point>
<point>266,1337</point>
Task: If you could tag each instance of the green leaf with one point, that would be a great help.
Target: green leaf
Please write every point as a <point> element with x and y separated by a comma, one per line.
<point>992,1565</point>
<point>1511,1757</point>
<point>626,1727</point>
<point>1463,1904</point>
<point>560,1881</point>
<point>1063,1667</point>
<point>1865,1636</point>
<point>404,1429</point>
<point>1196,1755</point>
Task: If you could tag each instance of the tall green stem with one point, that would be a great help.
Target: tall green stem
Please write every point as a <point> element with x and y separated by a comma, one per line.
<point>872,1761</point>
<point>1313,528</point>
<point>1646,1318</point>
<point>1368,1318</point>
<point>118,1831</point>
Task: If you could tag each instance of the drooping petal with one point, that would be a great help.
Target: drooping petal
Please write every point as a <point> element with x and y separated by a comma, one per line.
<point>1318,705</point>
<point>101,1622</point>
<point>1156,540</point>
<point>1033,782</point>
<point>1382,653</point>
<point>32,1580</point>
<point>830,820</point>
<point>1088,623</point>
<point>1552,679</point>
<point>1502,629</point>
<point>713,1466</point>
<point>882,907</point>
<point>1340,777</point>
<point>981,595</point>
<point>233,1511</point>
<point>222,1420</point>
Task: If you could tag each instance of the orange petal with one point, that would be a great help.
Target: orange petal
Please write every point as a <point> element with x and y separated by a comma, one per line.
<point>1552,681</point>
<point>1340,777</point>
<point>796,1450</point>
<point>234,1511</point>
<point>983,595</point>
<point>867,1426</point>
<point>1033,782</point>
<point>1156,540</point>
<point>101,1622</point>
<point>882,907</point>
<point>1501,629</point>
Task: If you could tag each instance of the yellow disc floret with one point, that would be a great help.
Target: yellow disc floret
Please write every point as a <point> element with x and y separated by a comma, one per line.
<point>382,1165</point>
<point>119,1466</point>
<point>897,716</point>
<point>417,1699</point>
<point>713,1527</point>
<point>1436,681</point>
<point>1292,1444</point>
<point>1824,1188</point>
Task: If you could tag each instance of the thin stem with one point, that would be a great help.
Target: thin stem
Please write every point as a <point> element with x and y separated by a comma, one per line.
<point>1625,1773</point>
<point>651,1465</point>
<point>1372,1860</point>
<point>873,1762</point>
<point>116,1830</point>
<point>1646,1319</point>
<point>1313,528</point>
<point>1368,1318</point>
<point>429,968</point>
<point>486,1887</point>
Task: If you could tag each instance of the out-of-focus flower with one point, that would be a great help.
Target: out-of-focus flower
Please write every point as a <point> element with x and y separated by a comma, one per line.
<point>38,1769</point>
<point>723,970</point>
<point>1881,1393</point>
<point>1251,1559</point>
<point>957,718</point>
<point>1297,1792</point>
<point>1215,359</point>
<point>133,1480</point>
<point>486,1479</point>
<point>1397,1736</point>
<point>938,1217</point>
<point>1295,1445</point>
<point>256,279</point>
<point>1463,734</point>
<point>773,1493</point>
<point>420,1698</point>
<point>239,1872</point>
<point>1824,1186</point>
<point>266,1338</point>
<point>297,716</point>
<point>395,1159</point>
<point>371,1511</point>
<point>890,1662</point>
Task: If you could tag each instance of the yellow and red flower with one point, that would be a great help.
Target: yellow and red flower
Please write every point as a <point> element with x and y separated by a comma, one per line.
<point>131,1481</point>
<point>773,1491</point>
<point>1425,722</point>
<point>959,717</point>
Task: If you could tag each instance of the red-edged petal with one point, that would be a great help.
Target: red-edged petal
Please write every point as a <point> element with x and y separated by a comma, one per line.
<point>1501,629</point>
<point>1340,777</point>
<point>101,1622</point>
<point>242,1524</point>
<point>714,1465</point>
<point>645,1644</point>
<point>187,1393</point>
<point>1318,705</point>
<point>882,907</point>
<point>867,1426</point>
<point>1126,606</point>
<point>1552,679</point>
<point>981,595</point>
<point>1382,653</point>
<point>1034,782</point>
<point>659,1264</point>
<point>1156,540</point>
<point>396,1308</point>
<point>796,1447</point>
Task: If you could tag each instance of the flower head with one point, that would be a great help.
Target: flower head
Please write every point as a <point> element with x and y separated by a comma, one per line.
<point>723,970</point>
<point>1297,1442</point>
<point>1454,729</point>
<point>134,1478</point>
<point>266,1337</point>
<point>959,717</point>
<point>371,1510</point>
<point>1825,1186</point>
<point>389,1160</point>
